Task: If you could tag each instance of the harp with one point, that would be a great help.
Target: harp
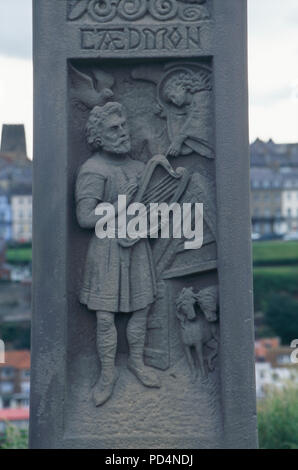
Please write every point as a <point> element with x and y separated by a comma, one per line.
<point>160,183</point>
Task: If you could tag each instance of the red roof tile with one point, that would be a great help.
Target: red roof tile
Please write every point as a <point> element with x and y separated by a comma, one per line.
<point>17,359</point>
<point>14,414</point>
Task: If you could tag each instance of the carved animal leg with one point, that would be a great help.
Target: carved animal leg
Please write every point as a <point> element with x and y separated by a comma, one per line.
<point>199,352</point>
<point>191,363</point>
<point>136,334</point>
<point>106,348</point>
<point>212,356</point>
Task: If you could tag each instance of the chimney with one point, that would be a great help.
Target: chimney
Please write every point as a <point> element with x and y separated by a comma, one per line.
<point>13,142</point>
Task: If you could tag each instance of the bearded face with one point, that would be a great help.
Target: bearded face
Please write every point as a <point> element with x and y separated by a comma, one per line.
<point>114,135</point>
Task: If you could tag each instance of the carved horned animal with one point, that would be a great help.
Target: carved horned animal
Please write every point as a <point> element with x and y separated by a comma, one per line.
<point>197,314</point>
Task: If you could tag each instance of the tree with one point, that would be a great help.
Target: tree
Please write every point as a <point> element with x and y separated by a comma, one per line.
<point>14,438</point>
<point>282,316</point>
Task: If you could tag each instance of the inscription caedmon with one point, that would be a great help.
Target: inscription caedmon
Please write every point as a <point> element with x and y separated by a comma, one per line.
<point>141,38</point>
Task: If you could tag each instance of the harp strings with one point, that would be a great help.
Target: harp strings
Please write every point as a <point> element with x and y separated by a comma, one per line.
<point>163,189</point>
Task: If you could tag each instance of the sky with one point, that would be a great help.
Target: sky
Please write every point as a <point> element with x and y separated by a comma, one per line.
<point>273,68</point>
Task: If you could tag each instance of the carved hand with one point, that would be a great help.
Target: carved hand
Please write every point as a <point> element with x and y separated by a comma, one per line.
<point>175,148</point>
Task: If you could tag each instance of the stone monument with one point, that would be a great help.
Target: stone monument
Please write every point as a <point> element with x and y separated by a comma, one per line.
<point>139,342</point>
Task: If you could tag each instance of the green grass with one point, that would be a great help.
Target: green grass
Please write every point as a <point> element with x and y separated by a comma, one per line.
<point>275,253</point>
<point>19,255</point>
<point>278,420</point>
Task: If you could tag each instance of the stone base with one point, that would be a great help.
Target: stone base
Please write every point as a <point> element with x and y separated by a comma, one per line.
<point>138,417</point>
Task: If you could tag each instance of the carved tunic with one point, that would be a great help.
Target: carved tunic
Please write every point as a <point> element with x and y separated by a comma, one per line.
<point>116,279</point>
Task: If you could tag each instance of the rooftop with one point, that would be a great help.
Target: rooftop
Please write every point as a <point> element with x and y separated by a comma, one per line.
<point>14,414</point>
<point>270,154</point>
<point>17,359</point>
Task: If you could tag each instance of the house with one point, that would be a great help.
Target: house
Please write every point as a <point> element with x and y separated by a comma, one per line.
<point>274,200</point>
<point>18,417</point>
<point>274,368</point>
<point>21,214</point>
<point>274,187</point>
<point>263,346</point>
<point>15,379</point>
<point>5,216</point>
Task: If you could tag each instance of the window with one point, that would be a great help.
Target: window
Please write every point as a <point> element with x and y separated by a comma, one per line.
<point>25,387</point>
<point>7,372</point>
<point>289,212</point>
<point>6,387</point>
<point>267,228</point>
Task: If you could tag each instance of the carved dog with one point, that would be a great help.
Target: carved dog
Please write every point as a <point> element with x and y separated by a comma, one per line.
<point>197,314</point>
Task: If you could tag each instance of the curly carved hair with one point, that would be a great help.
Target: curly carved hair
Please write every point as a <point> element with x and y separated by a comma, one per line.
<point>193,83</point>
<point>96,118</point>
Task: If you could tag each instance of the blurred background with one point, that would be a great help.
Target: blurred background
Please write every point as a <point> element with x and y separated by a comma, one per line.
<point>273,86</point>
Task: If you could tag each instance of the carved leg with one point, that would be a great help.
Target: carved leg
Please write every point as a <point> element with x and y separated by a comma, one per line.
<point>136,334</point>
<point>199,351</point>
<point>191,363</point>
<point>212,356</point>
<point>106,348</point>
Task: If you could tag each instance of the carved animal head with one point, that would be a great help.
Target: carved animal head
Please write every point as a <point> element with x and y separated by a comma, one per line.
<point>206,299</point>
<point>186,304</point>
<point>91,91</point>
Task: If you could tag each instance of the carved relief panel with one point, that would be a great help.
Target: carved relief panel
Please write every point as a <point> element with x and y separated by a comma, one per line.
<point>149,307</point>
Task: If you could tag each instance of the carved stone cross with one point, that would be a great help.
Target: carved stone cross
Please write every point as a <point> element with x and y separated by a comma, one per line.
<point>138,341</point>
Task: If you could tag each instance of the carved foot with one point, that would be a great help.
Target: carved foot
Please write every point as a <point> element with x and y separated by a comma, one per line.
<point>145,374</point>
<point>103,390</point>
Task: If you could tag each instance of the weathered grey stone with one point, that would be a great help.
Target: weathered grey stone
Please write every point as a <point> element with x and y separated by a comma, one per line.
<point>141,343</point>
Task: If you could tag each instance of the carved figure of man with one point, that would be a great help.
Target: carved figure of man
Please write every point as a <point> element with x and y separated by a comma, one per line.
<point>117,280</point>
<point>189,116</point>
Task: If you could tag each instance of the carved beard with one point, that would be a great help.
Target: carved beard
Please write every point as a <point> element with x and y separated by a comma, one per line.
<point>121,147</point>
